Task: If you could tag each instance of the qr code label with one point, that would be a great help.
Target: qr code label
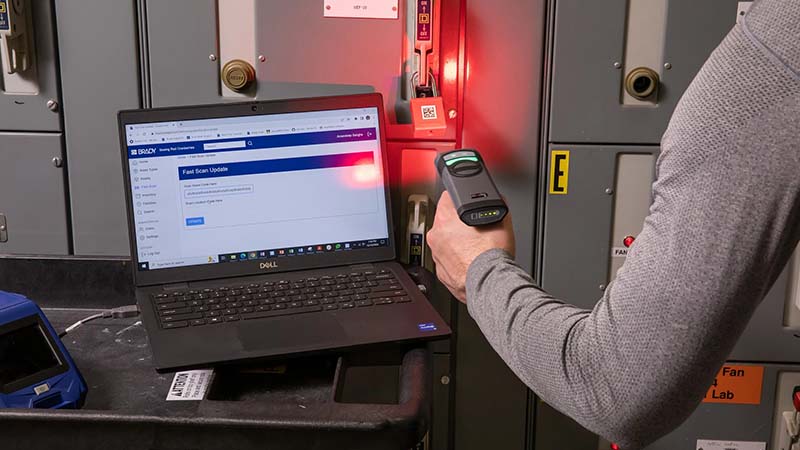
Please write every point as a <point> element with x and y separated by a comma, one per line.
<point>429,112</point>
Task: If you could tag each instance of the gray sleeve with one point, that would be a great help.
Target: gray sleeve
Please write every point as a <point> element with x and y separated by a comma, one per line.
<point>723,223</point>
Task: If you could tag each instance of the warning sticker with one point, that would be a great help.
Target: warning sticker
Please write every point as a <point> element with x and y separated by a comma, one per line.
<point>190,385</point>
<point>559,171</point>
<point>736,385</point>
<point>703,444</point>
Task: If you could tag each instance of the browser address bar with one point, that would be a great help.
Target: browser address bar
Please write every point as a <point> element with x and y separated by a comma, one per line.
<point>224,145</point>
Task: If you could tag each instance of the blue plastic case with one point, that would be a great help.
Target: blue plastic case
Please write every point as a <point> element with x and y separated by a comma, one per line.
<point>36,370</point>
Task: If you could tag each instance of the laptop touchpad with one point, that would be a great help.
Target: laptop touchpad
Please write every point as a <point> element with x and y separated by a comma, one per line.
<point>290,332</point>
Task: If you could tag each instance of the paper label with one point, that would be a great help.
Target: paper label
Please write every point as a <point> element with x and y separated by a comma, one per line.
<point>703,444</point>
<point>619,252</point>
<point>361,9</point>
<point>190,385</point>
<point>736,385</point>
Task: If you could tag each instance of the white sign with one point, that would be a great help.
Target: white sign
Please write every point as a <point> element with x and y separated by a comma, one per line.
<point>361,9</point>
<point>619,252</point>
<point>703,444</point>
<point>190,385</point>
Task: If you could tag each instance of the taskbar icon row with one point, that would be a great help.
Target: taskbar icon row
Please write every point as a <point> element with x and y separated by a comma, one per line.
<point>302,250</point>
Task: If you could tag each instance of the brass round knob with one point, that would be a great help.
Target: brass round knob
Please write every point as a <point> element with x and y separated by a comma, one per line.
<point>238,75</point>
<point>641,82</point>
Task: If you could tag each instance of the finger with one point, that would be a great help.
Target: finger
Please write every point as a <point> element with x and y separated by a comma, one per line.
<point>445,198</point>
<point>445,208</point>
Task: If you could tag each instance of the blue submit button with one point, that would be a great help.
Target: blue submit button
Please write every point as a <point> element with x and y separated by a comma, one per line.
<point>193,221</point>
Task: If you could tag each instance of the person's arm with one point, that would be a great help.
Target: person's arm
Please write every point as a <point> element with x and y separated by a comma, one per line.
<point>722,226</point>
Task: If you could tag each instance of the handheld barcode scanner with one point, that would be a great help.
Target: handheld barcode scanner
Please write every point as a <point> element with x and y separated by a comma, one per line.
<point>474,194</point>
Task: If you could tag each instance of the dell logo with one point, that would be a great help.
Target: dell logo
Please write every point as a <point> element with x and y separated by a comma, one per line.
<point>269,265</point>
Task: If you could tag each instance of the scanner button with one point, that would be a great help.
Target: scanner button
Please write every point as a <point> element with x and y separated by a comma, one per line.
<point>465,169</point>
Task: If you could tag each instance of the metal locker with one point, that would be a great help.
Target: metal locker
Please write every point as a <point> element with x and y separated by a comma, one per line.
<point>588,67</point>
<point>33,210</point>
<point>738,422</point>
<point>182,66</point>
<point>99,77</point>
<point>29,99</point>
<point>578,254</point>
<point>292,50</point>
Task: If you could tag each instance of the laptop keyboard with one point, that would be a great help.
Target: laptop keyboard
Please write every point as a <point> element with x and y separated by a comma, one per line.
<point>345,291</point>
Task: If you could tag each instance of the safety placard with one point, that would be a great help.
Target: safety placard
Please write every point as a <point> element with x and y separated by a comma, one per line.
<point>361,9</point>
<point>190,385</point>
<point>704,444</point>
<point>736,385</point>
<point>559,171</point>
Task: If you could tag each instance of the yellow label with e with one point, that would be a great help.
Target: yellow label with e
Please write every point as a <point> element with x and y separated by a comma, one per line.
<point>736,385</point>
<point>559,172</point>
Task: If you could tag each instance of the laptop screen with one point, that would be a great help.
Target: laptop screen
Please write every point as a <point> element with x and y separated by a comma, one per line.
<point>258,187</point>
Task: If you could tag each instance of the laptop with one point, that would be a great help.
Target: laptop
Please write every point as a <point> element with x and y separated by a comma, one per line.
<point>264,229</point>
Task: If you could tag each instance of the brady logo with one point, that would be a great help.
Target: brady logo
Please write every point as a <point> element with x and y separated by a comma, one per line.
<point>269,265</point>
<point>143,151</point>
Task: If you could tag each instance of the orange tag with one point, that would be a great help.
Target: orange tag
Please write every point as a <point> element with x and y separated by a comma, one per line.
<point>736,385</point>
<point>427,115</point>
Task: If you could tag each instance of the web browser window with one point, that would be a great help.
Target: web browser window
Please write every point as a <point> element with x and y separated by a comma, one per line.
<point>256,187</point>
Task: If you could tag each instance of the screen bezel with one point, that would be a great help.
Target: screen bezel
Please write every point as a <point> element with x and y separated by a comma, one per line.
<point>42,375</point>
<point>244,268</point>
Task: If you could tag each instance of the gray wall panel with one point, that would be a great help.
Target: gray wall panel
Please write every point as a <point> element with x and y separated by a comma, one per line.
<point>181,36</point>
<point>30,112</point>
<point>577,228</point>
<point>728,422</point>
<point>765,338</point>
<point>590,38</point>
<point>502,99</point>
<point>32,197</point>
<point>339,56</point>
<point>99,72</point>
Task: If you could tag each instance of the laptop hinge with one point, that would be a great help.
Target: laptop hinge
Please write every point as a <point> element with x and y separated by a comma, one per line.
<point>175,287</point>
<point>362,266</point>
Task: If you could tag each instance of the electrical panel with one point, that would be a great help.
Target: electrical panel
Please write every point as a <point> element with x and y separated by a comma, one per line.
<point>33,214</point>
<point>612,92</point>
<point>33,210</point>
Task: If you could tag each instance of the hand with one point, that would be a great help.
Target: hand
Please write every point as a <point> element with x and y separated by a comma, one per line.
<point>454,244</point>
